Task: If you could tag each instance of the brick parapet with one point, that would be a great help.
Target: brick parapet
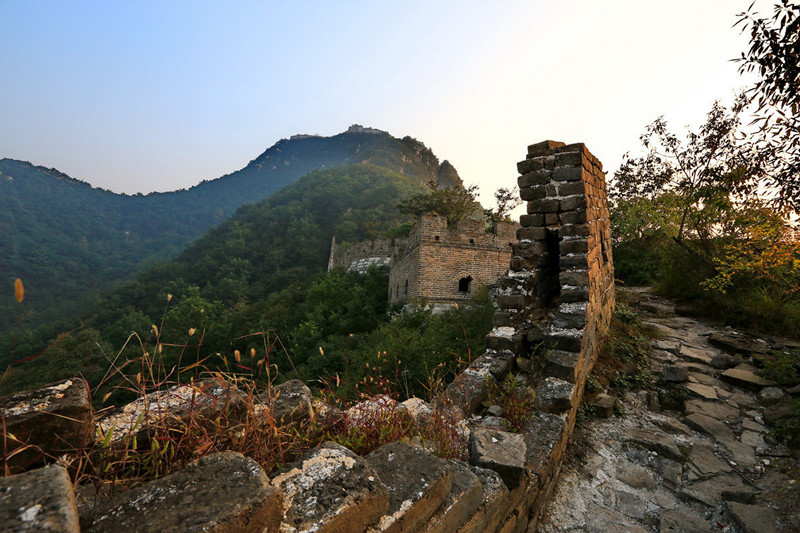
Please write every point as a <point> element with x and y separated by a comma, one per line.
<point>555,305</point>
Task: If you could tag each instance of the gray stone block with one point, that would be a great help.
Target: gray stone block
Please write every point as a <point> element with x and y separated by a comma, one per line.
<point>220,492</point>
<point>420,483</point>
<point>49,421</point>
<point>38,501</point>
<point>554,395</point>
<point>331,490</point>
<point>500,451</point>
<point>291,401</point>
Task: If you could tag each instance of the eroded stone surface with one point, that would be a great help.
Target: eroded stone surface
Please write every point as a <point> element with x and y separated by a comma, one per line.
<point>419,483</point>
<point>464,498</point>
<point>46,422</point>
<point>724,457</point>
<point>38,501</point>
<point>752,518</point>
<point>500,451</point>
<point>204,399</point>
<point>290,401</point>
<point>222,492</point>
<point>745,375</point>
<point>330,489</point>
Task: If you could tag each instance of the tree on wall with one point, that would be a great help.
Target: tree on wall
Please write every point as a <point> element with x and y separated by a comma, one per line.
<point>775,55</point>
<point>453,203</point>
<point>507,200</point>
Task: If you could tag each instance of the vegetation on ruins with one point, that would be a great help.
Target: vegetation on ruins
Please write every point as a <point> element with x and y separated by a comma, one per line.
<point>453,203</point>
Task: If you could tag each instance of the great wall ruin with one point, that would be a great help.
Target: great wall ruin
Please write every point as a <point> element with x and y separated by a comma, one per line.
<point>554,306</point>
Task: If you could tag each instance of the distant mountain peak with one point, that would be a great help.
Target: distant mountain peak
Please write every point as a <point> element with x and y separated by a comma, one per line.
<point>358,128</point>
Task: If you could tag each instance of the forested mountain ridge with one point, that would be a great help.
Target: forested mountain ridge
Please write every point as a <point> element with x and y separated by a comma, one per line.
<point>68,240</point>
<point>256,271</point>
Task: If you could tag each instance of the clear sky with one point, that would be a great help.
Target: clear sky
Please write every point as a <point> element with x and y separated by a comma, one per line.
<point>158,95</point>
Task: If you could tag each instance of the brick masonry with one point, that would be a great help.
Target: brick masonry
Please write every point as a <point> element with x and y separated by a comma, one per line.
<point>443,265</point>
<point>555,305</point>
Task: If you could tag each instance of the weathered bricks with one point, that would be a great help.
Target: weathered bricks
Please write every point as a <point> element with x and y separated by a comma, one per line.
<point>443,265</point>
<point>331,490</point>
<point>420,484</point>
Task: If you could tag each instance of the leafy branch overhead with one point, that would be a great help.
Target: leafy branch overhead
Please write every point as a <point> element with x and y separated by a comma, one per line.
<point>774,54</point>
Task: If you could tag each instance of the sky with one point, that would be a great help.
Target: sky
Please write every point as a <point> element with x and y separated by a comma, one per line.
<point>159,95</point>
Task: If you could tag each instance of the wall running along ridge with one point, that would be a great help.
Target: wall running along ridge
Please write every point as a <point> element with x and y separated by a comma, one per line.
<point>555,304</point>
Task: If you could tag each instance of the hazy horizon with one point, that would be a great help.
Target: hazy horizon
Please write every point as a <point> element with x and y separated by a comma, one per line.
<point>153,97</point>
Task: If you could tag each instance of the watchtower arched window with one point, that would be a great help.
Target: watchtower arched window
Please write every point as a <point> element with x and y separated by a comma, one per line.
<point>406,287</point>
<point>463,284</point>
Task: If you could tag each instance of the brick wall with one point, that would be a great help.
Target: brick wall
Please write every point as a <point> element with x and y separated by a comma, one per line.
<point>437,261</point>
<point>555,305</point>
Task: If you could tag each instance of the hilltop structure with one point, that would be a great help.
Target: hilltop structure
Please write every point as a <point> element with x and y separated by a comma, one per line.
<point>437,264</point>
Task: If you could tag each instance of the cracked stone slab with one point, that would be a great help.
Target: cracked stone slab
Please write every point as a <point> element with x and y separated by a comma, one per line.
<point>702,391</point>
<point>738,343</point>
<point>718,410</point>
<point>501,451</point>
<point>38,501</point>
<point>703,463</point>
<point>218,493</point>
<point>659,442</point>
<point>744,376</point>
<point>710,491</point>
<point>709,426</point>
<point>674,521</point>
<point>330,490</point>
<point>695,354</point>
<point>752,518</point>
<point>420,483</point>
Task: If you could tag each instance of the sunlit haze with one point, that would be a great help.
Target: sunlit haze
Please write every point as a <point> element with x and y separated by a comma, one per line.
<point>144,96</point>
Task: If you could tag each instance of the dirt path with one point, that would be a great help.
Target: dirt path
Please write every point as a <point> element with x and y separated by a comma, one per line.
<point>708,467</point>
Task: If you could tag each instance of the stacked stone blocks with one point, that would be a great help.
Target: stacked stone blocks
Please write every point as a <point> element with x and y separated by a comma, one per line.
<point>555,304</point>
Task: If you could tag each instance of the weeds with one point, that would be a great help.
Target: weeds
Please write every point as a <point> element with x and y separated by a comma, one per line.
<point>183,411</point>
<point>516,399</point>
<point>782,367</point>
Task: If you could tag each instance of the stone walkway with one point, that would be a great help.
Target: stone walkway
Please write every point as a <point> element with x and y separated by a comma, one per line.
<point>710,467</point>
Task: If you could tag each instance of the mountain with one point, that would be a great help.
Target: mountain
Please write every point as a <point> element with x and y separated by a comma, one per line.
<point>68,241</point>
<point>251,274</point>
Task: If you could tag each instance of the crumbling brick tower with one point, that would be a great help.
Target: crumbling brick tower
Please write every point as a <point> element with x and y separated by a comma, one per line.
<point>443,265</point>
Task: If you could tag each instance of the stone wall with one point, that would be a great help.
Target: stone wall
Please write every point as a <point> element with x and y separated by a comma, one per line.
<point>360,256</point>
<point>443,265</point>
<point>555,304</point>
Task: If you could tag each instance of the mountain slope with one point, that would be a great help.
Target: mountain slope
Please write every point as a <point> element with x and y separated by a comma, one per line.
<point>68,240</point>
<point>221,285</point>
